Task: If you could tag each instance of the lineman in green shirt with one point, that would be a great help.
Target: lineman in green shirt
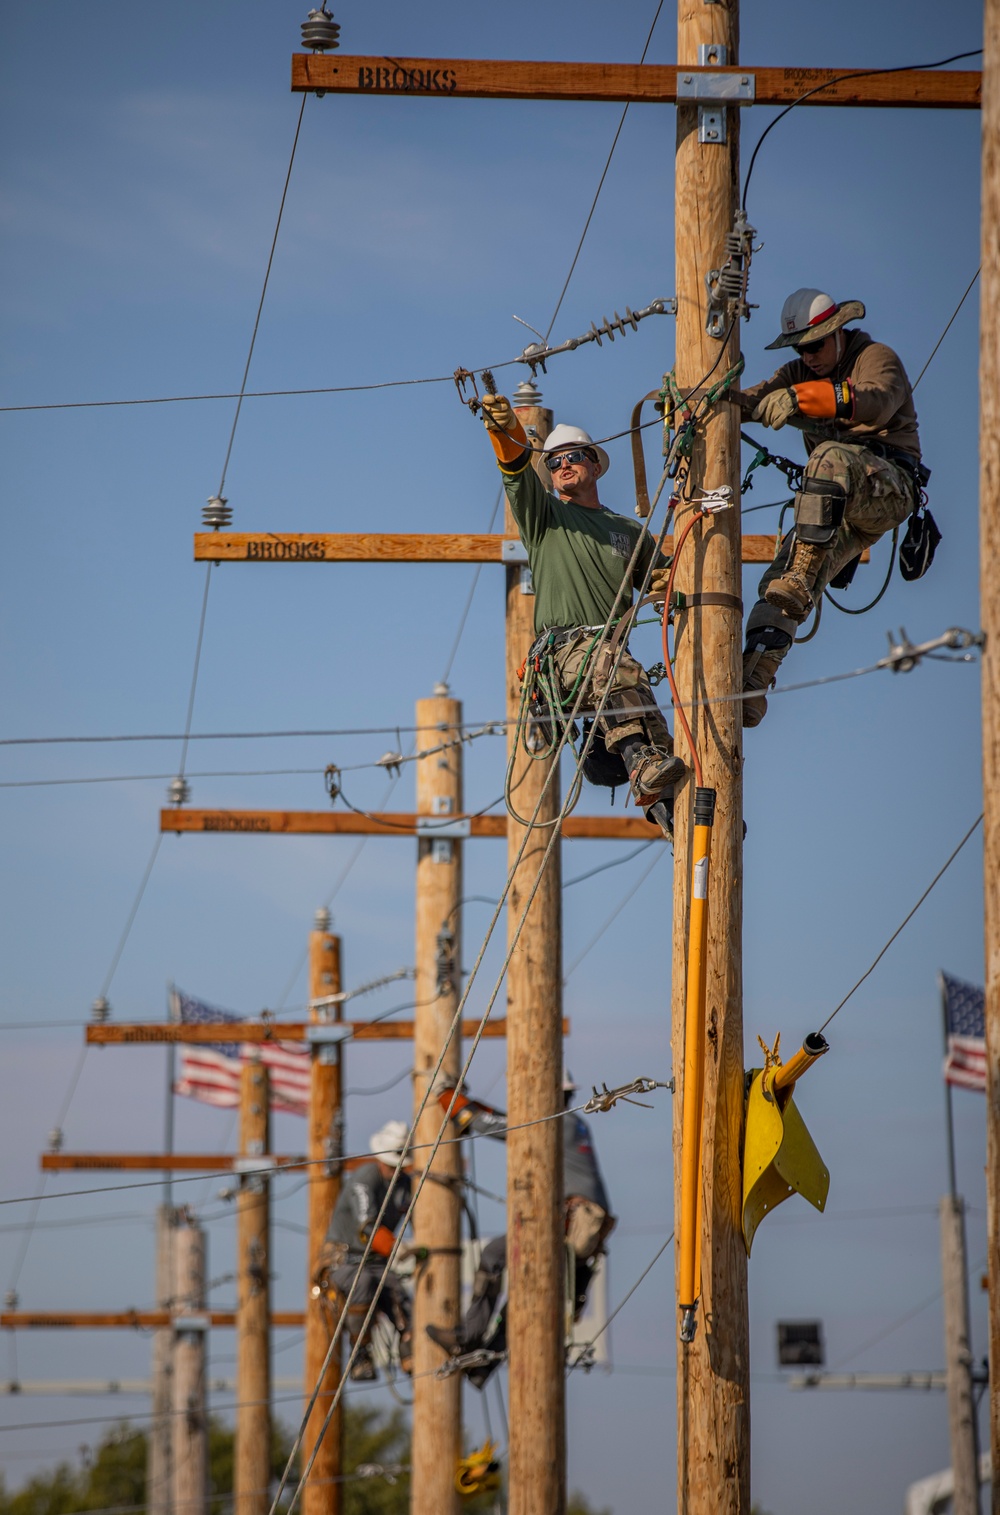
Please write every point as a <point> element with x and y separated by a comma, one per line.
<point>579,552</point>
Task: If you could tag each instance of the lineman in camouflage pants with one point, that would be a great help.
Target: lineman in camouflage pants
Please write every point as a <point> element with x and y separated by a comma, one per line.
<point>851,398</point>
<point>579,552</point>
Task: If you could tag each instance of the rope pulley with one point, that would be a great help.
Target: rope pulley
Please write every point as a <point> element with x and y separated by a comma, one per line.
<point>779,1155</point>
<point>479,1473</point>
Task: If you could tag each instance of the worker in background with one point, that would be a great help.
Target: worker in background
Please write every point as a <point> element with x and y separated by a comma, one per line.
<point>852,400</point>
<point>579,553</point>
<point>589,1223</point>
<point>355,1214</point>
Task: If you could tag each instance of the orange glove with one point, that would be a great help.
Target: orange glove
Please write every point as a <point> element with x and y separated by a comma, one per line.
<point>825,399</point>
<point>504,429</point>
<point>383,1241</point>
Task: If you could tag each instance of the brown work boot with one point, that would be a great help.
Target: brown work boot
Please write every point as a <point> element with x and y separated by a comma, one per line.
<point>652,774</point>
<point>759,669</point>
<point>791,591</point>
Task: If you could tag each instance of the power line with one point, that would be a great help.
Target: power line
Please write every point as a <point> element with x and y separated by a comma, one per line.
<point>904,922</point>
<point>947,329</point>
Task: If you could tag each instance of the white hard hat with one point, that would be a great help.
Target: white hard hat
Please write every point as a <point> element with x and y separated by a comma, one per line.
<point>390,1141</point>
<point>810,314</point>
<point>569,1083</point>
<point>574,436</point>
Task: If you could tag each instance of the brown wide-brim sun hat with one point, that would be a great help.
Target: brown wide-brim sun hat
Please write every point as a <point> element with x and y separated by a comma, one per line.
<point>848,310</point>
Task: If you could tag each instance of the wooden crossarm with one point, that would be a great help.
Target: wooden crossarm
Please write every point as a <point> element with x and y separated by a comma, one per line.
<point>631,828</point>
<point>382,547</point>
<point>632,83</point>
<point>205,1033</point>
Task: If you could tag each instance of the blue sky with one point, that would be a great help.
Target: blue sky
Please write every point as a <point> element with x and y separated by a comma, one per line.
<point>143,163</point>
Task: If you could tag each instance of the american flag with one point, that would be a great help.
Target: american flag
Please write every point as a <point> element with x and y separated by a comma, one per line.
<point>211,1072</point>
<point>965,1020</point>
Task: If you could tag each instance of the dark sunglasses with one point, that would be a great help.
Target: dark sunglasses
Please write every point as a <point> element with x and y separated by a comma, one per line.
<point>578,455</point>
<point>803,347</point>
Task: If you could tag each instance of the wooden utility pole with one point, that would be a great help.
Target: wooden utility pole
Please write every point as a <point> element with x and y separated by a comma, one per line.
<point>989,548</point>
<point>158,1453</point>
<point>253,1299</point>
<point>190,1438</point>
<point>958,1358</point>
<point>535,1239</point>
<point>713,1389</point>
<point>437,1402</point>
<point>322,1495</point>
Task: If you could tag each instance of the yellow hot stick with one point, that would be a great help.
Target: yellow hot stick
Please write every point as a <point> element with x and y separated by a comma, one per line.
<point>811,1050</point>
<point>689,1272</point>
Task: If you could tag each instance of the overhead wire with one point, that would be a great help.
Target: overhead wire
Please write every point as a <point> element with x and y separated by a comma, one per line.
<point>567,724</point>
<point>863,73</point>
<point>904,922</point>
<point>467,608</point>
<point>585,1348</point>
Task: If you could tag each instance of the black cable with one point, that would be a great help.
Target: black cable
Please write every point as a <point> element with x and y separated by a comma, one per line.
<point>905,921</point>
<point>864,73</point>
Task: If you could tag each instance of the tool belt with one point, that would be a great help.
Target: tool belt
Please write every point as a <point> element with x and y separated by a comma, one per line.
<point>918,472</point>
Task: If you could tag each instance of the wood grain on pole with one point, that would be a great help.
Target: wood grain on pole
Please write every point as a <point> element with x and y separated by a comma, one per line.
<point>253,1301</point>
<point>190,1452</point>
<point>368,547</point>
<point>392,824</point>
<point>323,1493</point>
<point>437,1402</point>
<point>161,1422</point>
<point>510,79</point>
<point>535,1244</point>
<point>989,556</point>
<point>713,1391</point>
<point>958,1358</point>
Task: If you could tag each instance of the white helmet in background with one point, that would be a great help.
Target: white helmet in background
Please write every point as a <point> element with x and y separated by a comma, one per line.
<point>390,1141</point>
<point>574,436</point>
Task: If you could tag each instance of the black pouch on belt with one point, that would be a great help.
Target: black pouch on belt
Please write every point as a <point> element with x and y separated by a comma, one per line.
<point>917,549</point>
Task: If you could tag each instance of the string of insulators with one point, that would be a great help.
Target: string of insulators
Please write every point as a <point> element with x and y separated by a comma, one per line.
<point>536,353</point>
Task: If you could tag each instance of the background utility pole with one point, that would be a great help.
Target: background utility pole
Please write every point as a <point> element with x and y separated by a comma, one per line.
<point>713,1390</point>
<point>322,1495</point>
<point>253,1300</point>
<point>958,1357</point>
<point>989,548</point>
<point>158,1454</point>
<point>190,1439</point>
<point>437,1402</point>
<point>535,1239</point>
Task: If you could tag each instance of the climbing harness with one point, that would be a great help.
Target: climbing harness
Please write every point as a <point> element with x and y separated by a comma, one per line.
<point>479,1473</point>
<point>779,1155</point>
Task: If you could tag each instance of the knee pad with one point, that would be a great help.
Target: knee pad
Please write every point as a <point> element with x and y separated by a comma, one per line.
<point>819,510</point>
<point>768,639</point>
<point>765,619</point>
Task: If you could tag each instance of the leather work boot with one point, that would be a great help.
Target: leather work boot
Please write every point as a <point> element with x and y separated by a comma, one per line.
<point>446,1338</point>
<point>759,669</point>
<point>791,591</point>
<point>652,773</point>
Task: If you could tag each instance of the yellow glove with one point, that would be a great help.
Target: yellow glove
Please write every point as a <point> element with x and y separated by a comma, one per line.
<point>498,415</point>
<point>658,582</point>
<point>776,408</point>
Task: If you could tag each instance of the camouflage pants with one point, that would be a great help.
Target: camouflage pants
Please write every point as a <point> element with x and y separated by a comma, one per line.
<point>879,497</point>
<point>631,712</point>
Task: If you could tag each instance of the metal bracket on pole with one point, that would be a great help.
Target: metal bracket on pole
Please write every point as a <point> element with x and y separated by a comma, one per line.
<point>513,550</point>
<point>719,89</point>
<point>325,1037</point>
<point>433,827</point>
<point>254,1165</point>
<point>191,1323</point>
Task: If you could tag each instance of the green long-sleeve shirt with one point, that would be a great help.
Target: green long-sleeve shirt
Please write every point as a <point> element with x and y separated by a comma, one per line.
<point>578,556</point>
